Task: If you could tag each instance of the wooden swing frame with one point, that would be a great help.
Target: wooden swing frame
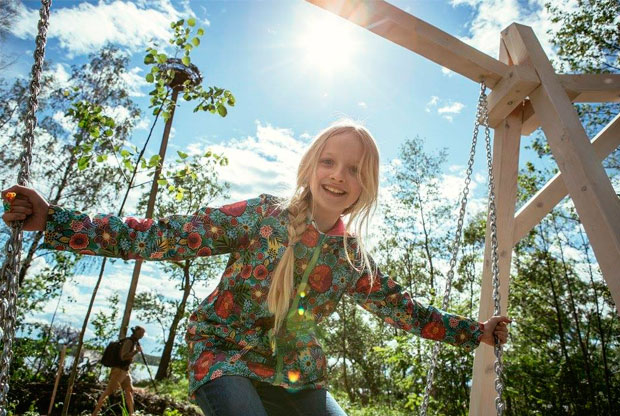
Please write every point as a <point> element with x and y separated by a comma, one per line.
<point>526,94</point>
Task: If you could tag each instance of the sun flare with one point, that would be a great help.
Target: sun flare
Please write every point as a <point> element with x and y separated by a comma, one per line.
<point>327,45</point>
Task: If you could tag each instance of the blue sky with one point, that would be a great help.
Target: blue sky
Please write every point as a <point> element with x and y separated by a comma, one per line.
<point>289,83</point>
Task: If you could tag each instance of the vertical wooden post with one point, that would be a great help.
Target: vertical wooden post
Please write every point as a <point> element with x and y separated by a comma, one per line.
<point>587,183</point>
<point>506,143</point>
<point>61,365</point>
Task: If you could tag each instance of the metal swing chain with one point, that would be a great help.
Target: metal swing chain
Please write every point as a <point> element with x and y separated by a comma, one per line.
<point>481,110</point>
<point>498,366</point>
<point>10,269</point>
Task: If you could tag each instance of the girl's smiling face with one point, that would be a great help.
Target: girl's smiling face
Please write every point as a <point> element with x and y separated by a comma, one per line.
<point>335,185</point>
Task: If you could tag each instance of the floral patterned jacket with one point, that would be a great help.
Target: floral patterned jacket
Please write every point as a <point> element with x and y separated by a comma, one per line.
<point>231,331</point>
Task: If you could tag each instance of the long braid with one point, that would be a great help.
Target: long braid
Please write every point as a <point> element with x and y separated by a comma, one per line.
<point>299,207</point>
<point>282,283</point>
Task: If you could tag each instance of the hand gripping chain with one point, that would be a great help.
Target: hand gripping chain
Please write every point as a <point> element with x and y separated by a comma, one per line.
<point>10,268</point>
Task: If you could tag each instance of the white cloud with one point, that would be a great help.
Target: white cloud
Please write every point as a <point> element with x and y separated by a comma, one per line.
<point>432,103</point>
<point>86,27</point>
<point>445,108</point>
<point>490,17</point>
<point>453,108</point>
<point>447,72</point>
<point>362,104</point>
<point>134,81</point>
<point>263,163</point>
<point>65,122</point>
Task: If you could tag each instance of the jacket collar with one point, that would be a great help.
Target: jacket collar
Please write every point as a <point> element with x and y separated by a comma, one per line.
<point>338,230</point>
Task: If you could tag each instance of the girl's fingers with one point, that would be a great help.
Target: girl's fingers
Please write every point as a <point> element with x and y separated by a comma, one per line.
<point>16,209</point>
<point>12,217</point>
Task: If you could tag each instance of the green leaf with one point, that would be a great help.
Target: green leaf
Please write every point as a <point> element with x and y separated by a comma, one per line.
<point>181,154</point>
<point>161,58</point>
<point>165,115</point>
<point>83,162</point>
<point>150,77</point>
<point>200,31</point>
<point>108,133</point>
<point>196,41</point>
<point>125,153</point>
<point>154,160</point>
<point>179,196</point>
<point>185,60</point>
<point>94,132</point>
<point>222,110</point>
<point>148,59</point>
<point>162,182</point>
<point>191,21</point>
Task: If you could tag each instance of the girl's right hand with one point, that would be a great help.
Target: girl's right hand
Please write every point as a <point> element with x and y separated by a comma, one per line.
<point>25,205</point>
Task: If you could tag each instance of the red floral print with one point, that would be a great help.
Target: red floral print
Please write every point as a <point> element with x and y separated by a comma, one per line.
<point>203,364</point>
<point>235,210</point>
<point>434,330</point>
<point>320,278</point>
<point>363,285</point>
<point>246,271</point>
<point>310,237</point>
<point>194,240</point>
<point>260,272</point>
<point>78,241</point>
<point>224,304</point>
<point>139,224</point>
<point>260,370</point>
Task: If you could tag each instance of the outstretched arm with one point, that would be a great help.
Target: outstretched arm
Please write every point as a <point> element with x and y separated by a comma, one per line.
<point>208,231</point>
<point>387,299</point>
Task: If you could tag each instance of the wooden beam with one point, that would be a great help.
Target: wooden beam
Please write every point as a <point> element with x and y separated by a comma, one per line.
<point>586,181</point>
<point>592,88</point>
<point>580,88</point>
<point>530,214</point>
<point>510,92</point>
<point>418,36</point>
<point>506,142</point>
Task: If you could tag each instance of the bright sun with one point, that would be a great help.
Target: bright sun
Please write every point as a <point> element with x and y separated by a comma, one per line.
<point>327,45</point>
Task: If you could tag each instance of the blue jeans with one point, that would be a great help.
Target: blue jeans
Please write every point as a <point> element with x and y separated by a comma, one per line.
<point>240,396</point>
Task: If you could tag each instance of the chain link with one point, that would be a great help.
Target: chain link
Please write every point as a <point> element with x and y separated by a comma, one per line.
<point>10,269</point>
<point>480,113</point>
<point>500,406</point>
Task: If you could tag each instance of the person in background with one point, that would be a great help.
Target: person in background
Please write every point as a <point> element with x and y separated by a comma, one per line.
<point>119,376</point>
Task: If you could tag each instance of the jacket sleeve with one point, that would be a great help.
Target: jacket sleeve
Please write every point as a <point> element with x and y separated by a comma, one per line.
<point>387,299</point>
<point>209,231</point>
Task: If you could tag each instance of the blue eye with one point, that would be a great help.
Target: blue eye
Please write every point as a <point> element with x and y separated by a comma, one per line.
<point>327,162</point>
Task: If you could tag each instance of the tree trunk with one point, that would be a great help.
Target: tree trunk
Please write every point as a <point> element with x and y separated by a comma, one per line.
<point>166,356</point>
<point>599,324</point>
<point>582,345</point>
<point>556,303</point>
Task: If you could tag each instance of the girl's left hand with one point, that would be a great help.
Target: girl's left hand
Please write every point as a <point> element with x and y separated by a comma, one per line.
<point>498,326</point>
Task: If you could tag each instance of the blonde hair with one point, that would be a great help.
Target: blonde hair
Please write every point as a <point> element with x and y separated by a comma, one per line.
<point>299,206</point>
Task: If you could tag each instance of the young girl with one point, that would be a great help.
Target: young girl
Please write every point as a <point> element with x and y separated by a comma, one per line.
<point>252,343</point>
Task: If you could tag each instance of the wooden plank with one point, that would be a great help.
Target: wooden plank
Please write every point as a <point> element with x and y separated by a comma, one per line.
<point>530,214</point>
<point>510,92</point>
<point>581,88</point>
<point>418,36</point>
<point>586,181</point>
<point>505,171</point>
<point>592,88</point>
